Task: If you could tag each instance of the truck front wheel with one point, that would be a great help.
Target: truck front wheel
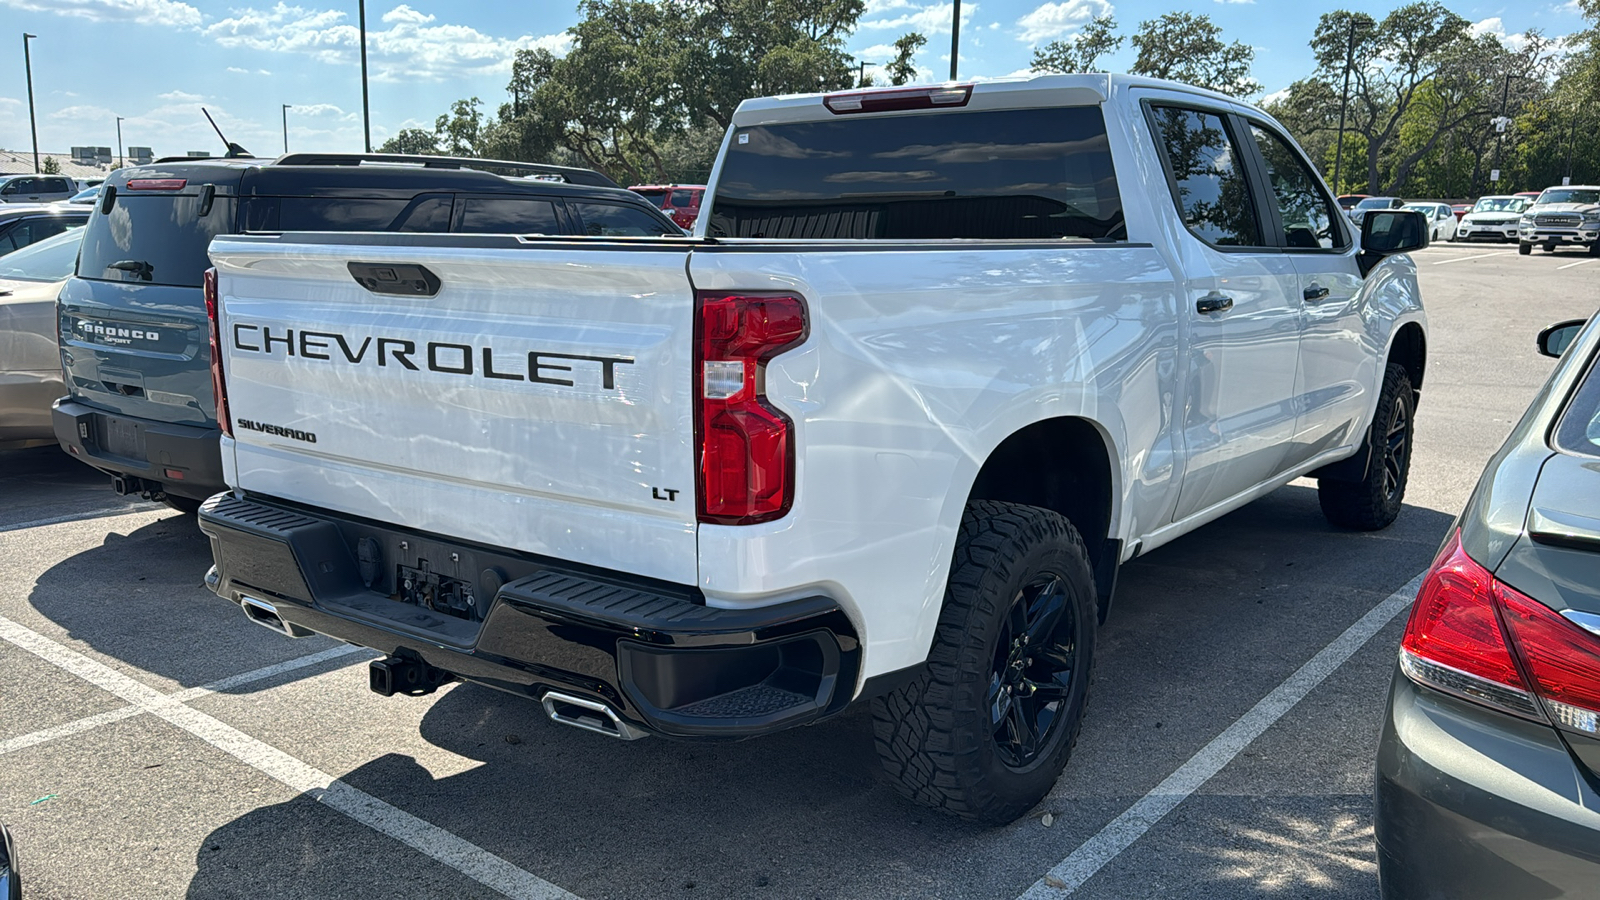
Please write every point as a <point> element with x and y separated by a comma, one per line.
<point>1524,248</point>
<point>1374,501</point>
<point>985,731</point>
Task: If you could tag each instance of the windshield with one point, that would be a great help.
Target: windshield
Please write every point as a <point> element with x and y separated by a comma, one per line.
<point>1500,204</point>
<point>51,259</point>
<point>1570,195</point>
<point>1375,203</point>
<point>87,195</point>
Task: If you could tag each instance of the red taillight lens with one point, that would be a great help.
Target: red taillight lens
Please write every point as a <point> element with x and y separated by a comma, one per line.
<point>1455,642</point>
<point>156,184</point>
<point>746,446</point>
<point>219,387</point>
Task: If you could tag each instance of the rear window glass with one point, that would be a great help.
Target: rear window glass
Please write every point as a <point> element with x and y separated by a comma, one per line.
<point>427,213</point>
<point>613,220</point>
<point>153,239</point>
<point>509,215</point>
<point>1031,174</point>
<point>684,199</point>
<point>654,198</point>
<point>1579,431</point>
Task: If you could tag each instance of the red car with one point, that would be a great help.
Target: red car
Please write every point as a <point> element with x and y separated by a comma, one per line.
<point>680,201</point>
<point>1461,209</point>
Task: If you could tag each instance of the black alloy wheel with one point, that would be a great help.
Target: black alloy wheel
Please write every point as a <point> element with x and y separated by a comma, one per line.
<point>1033,669</point>
<point>1397,452</point>
<point>1375,499</point>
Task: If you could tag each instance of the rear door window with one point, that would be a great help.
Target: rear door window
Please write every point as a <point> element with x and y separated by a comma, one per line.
<point>1207,173</point>
<point>508,215</point>
<point>1016,174</point>
<point>153,239</point>
<point>616,220</point>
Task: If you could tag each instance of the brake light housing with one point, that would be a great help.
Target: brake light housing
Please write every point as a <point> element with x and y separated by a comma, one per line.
<point>1480,639</point>
<point>941,96</point>
<point>156,184</point>
<point>746,467</point>
<point>219,387</point>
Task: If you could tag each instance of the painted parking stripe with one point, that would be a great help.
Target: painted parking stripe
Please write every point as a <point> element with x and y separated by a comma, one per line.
<point>1092,855</point>
<point>1444,262</point>
<point>79,726</point>
<point>78,517</point>
<point>1581,262</point>
<point>467,858</point>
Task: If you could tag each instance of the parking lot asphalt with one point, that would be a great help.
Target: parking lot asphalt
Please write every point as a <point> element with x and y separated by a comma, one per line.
<point>153,743</point>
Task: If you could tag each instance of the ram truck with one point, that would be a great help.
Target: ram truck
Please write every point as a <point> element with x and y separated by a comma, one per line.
<point>935,362</point>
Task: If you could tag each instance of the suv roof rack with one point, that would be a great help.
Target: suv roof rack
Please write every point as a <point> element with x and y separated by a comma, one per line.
<point>569,173</point>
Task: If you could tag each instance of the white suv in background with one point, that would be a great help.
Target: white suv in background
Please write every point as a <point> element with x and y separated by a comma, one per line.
<point>1492,218</point>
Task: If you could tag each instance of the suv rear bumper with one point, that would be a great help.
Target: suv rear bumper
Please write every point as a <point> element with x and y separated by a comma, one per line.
<point>185,460</point>
<point>651,652</point>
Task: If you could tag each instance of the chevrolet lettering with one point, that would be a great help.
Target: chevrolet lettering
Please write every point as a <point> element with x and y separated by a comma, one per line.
<point>537,366</point>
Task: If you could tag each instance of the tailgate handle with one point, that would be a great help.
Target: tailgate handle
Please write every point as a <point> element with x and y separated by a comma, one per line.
<point>402,279</point>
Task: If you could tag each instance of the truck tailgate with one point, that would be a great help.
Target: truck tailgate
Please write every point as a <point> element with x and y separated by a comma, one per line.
<point>539,400</point>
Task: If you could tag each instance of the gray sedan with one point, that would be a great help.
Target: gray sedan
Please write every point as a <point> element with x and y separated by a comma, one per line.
<point>30,362</point>
<point>1489,763</point>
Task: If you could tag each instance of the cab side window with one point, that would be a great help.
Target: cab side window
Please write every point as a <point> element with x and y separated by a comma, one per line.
<point>615,220</point>
<point>1207,173</point>
<point>508,215</point>
<point>1308,215</point>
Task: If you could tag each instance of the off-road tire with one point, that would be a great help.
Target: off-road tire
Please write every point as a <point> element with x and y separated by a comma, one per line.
<point>934,736</point>
<point>1524,248</point>
<point>1375,501</point>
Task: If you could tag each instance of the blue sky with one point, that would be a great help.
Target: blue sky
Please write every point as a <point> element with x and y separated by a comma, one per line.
<point>156,62</point>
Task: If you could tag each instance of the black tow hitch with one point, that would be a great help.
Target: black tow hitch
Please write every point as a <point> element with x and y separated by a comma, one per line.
<point>403,675</point>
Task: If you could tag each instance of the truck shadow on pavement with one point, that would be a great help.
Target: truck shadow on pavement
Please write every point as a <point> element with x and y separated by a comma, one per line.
<point>1203,628</point>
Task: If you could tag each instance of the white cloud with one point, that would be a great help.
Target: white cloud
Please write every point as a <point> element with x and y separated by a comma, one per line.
<point>924,18</point>
<point>1495,27</point>
<point>238,71</point>
<point>1053,20</point>
<point>181,97</point>
<point>139,12</point>
<point>1236,1</point>
<point>410,49</point>
<point>1273,97</point>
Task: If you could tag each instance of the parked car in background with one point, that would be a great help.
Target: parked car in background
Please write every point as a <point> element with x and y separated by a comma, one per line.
<point>1528,195</point>
<point>139,404</point>
<point>680,201</point>
<point>1371,203</point>
<point>36,188</point>
<point>1567,216</point>
<point>86,183</point>
<point>22,225</point>
<point>1441,219</point>
<point>1347,202</point>
<point>1493,218</point>
<point>1461,209</point>
<point>30,362</point>
<point>86,196</point>
<point>1490,751</point>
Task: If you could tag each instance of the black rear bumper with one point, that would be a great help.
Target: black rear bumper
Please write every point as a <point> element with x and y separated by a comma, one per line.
<point>652,652</point>
<point>185,460</point>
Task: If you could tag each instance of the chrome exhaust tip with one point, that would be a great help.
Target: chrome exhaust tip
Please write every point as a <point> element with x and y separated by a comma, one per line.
<point>266,615</point>
<point>590,715</point>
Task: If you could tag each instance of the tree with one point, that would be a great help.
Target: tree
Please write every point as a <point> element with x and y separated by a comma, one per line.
<point>1186,47</point>
<point>1097,39</point>
<point>902,68</point>
<point>49,166</point>
<point>411,140</point>
<point>460,131</point>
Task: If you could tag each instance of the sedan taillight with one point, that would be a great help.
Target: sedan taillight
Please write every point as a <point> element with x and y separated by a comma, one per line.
<point>1482,640</point>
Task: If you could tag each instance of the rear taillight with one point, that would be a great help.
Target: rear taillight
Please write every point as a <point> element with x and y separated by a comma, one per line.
<point>746,446</point>
<point>156,184</point>
<point>1472,636</point>
<point>894,100</point>
<point>219,387</point>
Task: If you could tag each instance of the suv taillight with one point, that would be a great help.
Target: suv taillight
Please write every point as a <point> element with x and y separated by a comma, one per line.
<point>219,388</point>
<point>746,446</point>
<point>1477,638</point>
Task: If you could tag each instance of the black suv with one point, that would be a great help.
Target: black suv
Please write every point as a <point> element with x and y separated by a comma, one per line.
<point>134,334</point>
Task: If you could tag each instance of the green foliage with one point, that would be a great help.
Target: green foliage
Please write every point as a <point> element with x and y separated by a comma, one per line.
<point>461,131</point>
<point>1083,51</point>
<point>410,140</point>
<point>903,68</point>
<point>1186,47</point>
<point>49,166</point>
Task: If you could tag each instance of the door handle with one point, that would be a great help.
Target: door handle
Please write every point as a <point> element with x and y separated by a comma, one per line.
<point>1315,292</point>
<point>1213,302</point>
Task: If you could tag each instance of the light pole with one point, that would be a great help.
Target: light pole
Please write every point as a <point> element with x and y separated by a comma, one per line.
<point>1344,102</point>
<point>366,116</point>
<point>955,38</point>
<point>1501,123</point>
<point>27,62</point>
<point>120,161</point>
<point>286,108</point>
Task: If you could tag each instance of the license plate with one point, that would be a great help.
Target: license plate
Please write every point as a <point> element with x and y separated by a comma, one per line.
<point>123,438</point>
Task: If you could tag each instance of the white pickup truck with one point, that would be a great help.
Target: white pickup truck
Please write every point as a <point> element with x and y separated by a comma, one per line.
<point>935,362</point>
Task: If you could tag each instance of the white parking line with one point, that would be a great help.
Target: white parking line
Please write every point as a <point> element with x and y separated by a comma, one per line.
<point>79,726</point>
<point>467,858</point>
<point>77,517</point>
<point>1581,262</point>
<point>1093,854</point>
<point>265,672</point>
<point>1443,262</point>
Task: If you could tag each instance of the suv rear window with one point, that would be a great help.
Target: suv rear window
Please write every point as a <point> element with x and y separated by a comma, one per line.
<point>1027,174</point>
<point>153,239</point>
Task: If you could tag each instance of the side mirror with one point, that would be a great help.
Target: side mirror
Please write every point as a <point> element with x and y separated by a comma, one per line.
<point>1387,232</point>
<point>1555,340</point>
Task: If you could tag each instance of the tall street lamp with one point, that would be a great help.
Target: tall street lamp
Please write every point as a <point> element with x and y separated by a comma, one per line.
<point>955,38</point>
<point>366,115</point>
<point>1344,102</point>
<point>286,108</point>
<point>27,62</point>
<point>120,161</point>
